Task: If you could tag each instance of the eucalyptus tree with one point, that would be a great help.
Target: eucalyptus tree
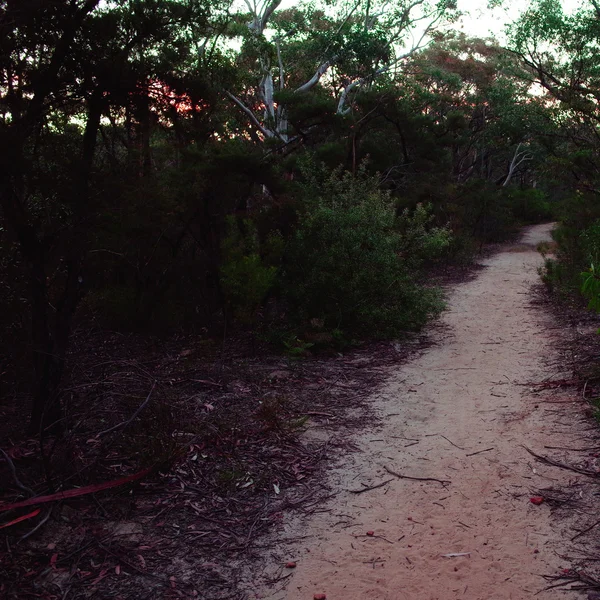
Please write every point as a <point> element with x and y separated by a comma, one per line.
<point>342,47</point>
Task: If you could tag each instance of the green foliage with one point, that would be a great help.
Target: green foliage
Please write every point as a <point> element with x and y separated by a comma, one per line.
<point>590,288</point>
<point>573,270</point>
<point>245,278</point>
<point>531,206</point>
<point>590,285</point>
<point>295,347</point>
<point>352,262</point>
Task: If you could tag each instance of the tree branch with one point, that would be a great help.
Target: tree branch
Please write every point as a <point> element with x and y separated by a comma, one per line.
<point>249,114</point>
<point>518,159</point>
<point>310,84</point>
<point>270,9</point>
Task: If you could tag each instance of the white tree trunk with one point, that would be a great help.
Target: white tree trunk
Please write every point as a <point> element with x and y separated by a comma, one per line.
<point>518,159</point>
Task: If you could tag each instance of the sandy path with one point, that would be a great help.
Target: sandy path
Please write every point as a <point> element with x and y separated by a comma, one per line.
<point>466,390</point>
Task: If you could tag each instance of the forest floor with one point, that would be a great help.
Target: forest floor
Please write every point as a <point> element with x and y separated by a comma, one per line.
<point>436,503</point>
<point>260,461</point>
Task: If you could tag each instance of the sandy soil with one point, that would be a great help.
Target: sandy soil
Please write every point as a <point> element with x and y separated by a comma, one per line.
<point>459,412</point>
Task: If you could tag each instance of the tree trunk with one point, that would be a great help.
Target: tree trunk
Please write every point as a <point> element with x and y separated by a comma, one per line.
<point>51,336</point>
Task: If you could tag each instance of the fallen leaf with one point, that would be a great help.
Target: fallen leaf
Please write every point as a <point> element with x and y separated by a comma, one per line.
<point>290,565</point>
<point>537,500</point>
<point>320,597</point>
<point>118,569</point>
<point>30,515</point>
<point>370,533</point>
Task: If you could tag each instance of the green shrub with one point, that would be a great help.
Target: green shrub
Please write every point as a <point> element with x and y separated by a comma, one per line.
<point>245,278</point>
<point>353,263</point>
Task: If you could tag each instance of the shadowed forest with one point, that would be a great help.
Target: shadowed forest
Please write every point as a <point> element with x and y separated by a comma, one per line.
<point>222,220</point>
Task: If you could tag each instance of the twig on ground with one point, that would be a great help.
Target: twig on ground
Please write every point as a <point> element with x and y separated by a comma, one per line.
<point>444,482</point>
<point>587,582</point>
<point>555,463</point>
<point>133,416</point>
<point>480,452</point>
<point>371,487</point>
<point>591,448</point>
<point>450,441</point>
<point>583,532</point>
<point>314,413</point>
<point>40,524</point>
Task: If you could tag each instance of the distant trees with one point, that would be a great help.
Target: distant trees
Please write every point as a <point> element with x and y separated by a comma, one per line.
<point>560,54</point>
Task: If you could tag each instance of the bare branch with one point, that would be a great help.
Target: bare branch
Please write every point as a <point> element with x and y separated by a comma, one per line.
<point>250,115</point>
<point>280,61</point>
<point>518,159</point>
<point>310,84</point>
<point>267,14</point>
<point>341,109</point>
<point>133,416</point>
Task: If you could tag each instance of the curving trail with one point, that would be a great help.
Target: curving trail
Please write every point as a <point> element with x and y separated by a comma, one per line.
<point>459,398</point>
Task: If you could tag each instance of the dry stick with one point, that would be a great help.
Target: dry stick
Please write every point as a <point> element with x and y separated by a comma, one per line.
<point>444,482</point>
<point>450,441</point>
<point>585,530</point>
<point>371,487</point>
<point>572,449</point>
<point>135,414</point>
<point>555,463</point>
<point>40,524</point>
<point>314,413</point>
<point>480,451</point>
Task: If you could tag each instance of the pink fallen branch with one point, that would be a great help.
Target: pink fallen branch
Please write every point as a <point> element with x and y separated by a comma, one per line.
<point>83,491</point>
<point>30,515</point>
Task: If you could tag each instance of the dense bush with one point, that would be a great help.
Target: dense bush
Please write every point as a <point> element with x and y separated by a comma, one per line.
<point>530,205</point>
<point>576,245</point>
<point>353,263</point>
<point>245,278</point>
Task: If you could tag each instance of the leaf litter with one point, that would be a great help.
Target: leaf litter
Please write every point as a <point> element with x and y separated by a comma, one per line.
<point>221,432</point>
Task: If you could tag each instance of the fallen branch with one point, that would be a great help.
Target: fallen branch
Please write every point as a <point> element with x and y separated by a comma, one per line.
<point>585,530</point>
<point>40,524</point>
<point>371,487</point>
<point>30,515</point>
<point>480,452</point>
<point>571,576</point>
<point>555,463</point>
<point>589,449</point>
<point>88,489</point>
<point>444,482</point>
<point>314,413</point>
<point>450,441</point>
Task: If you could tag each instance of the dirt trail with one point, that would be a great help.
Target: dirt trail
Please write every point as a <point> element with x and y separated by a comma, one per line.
<point>459,398</point>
